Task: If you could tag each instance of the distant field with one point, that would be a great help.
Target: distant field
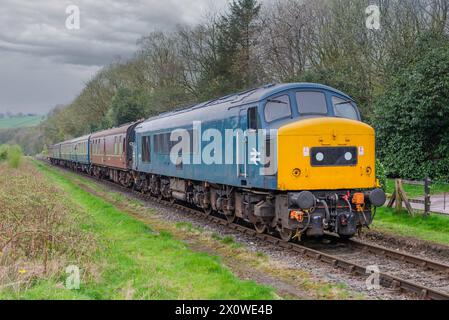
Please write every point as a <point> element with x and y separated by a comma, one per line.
<point>20,122</point>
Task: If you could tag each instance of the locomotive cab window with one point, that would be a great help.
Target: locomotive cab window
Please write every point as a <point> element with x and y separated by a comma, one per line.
<point>278,108</point>
<point>344,109</point>
<point>253,119</point>
<point>311,103</point>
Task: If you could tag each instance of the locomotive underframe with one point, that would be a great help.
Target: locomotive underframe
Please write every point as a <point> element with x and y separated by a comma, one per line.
<point>267,211</point>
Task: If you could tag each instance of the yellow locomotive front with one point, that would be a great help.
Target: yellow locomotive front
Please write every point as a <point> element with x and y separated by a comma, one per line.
<point>327,169</point>
<point>330,154</point>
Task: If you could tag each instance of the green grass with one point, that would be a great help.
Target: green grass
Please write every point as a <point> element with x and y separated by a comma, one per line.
<point>138,263</point>
<point>418,191</point>
<point>20,122</point>
<point>433,228</point>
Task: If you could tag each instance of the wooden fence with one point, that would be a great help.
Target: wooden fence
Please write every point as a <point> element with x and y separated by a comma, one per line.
<point>400,198</point>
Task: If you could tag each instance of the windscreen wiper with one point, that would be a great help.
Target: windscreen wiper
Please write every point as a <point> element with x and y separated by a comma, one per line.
<point>277,101</point>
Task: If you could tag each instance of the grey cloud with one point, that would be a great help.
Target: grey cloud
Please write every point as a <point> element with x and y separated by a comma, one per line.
<point>43,64</point>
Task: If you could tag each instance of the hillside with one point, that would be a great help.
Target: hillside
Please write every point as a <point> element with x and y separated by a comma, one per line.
<point>20,122</point>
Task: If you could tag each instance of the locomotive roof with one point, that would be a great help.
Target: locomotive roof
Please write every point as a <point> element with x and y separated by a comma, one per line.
<point>215,109</point>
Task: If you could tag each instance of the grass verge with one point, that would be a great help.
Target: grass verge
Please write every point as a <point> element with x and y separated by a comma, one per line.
<point>434,228</point>
<point>136,261</point>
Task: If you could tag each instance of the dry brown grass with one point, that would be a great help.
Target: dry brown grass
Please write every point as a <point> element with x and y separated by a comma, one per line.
<point>39,231</point>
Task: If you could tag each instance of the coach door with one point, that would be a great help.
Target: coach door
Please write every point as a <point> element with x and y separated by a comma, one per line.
<point>103,157</point>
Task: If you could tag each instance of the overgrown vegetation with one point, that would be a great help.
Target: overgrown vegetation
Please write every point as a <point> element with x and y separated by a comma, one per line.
<point>11,154</point>
<point>39,236</point>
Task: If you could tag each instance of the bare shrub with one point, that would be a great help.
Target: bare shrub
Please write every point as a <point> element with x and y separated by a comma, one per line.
<point>39,232</point>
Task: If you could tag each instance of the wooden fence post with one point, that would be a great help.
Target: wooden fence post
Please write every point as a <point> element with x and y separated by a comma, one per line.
<point>399,198</point>
<point>398,207</point>
<point>427,203</point>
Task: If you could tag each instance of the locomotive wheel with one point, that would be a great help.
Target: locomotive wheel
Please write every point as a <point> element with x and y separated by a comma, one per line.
<point>286,234</point>
<point>260,228</point>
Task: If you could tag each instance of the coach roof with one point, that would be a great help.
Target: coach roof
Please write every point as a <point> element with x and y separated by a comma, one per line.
<point>112,132</point>
<point>80,139</point>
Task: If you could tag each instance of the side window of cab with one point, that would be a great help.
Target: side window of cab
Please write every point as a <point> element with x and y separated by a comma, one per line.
<point>277,108</point>
<point>345,109</point>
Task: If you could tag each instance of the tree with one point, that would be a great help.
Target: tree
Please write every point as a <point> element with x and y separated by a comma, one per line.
<point>411,118</point>
<point>235,68</point>
<point>128,106</point>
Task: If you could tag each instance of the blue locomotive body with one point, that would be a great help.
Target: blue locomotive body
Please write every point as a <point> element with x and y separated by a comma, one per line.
<point>234,113</point>
<point>294,158</point>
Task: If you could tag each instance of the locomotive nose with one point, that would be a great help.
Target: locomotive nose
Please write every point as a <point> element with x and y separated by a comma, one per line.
<point>326,154</point>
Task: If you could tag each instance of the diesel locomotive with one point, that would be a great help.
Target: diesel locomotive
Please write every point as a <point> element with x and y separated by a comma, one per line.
<point>294,159</point>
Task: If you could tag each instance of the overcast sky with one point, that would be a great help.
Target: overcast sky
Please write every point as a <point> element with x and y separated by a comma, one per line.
<point>42,63</point>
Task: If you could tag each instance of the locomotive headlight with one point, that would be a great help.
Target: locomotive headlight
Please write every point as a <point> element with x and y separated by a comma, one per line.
<point>319,156</point>
<point>348,156</point>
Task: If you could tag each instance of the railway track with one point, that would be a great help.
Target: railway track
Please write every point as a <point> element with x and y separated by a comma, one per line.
<point>407,273</point>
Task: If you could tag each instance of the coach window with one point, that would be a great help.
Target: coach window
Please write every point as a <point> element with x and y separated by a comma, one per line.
<point>146,157</point>
<point>120,150</point>
<point>311,103</point>
<point>278,108</point>
<point>253,119</point>
<point>344,109</point>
